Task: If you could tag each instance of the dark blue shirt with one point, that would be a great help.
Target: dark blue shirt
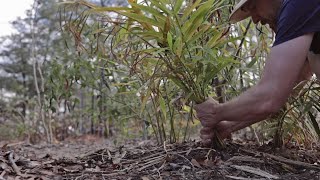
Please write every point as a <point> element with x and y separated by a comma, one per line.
<point>296,18</point>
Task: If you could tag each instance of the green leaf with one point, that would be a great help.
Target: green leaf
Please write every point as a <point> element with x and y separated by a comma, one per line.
<point>121,35</point>
<point>177,6</point>
<point>254,60</point>
<point>189,9</point>
<point>169,39</point>
<point>204,29</point>
<point>198,15</point>
<point>160,6</point>
<point>179,83</point>
<point>177,47</point>
<point>163,107</point>
<point>144,101</point>
<point>108,9</point>
<point>193,29</point>
<point>214,39</point>
<point>153,34</point>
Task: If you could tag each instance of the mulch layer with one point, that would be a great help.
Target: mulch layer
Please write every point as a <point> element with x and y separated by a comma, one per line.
<point>169,161</point>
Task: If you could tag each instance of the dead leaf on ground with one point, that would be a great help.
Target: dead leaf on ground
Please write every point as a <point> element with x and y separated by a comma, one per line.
<point>195,163</point>
<point>145,178</point>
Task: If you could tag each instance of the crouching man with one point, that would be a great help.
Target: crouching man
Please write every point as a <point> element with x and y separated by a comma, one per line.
<point>293,57</point>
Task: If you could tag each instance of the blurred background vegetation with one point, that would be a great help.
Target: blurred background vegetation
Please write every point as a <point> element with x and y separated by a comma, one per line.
<point>132,70</point>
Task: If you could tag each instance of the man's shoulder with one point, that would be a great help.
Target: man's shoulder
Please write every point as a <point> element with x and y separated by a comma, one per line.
<point>299,6</point>
<point>296,18</point>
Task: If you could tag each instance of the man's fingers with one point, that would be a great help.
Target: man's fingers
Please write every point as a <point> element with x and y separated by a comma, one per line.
<point>206,142</point>
<point>208,103</point>
<point>205,123</point>
<point>205,112</point>
<point>224,128</point>
<point>212,101</point>
<point>206,133</point>
<point>206,130</point>
<point>206,136</point>
<point>210,123</point>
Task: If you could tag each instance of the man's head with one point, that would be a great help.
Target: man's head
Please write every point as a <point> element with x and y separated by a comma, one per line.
<point>264,11</point>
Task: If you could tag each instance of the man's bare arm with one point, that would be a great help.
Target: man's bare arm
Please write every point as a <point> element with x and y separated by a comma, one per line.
<point>281,72</point>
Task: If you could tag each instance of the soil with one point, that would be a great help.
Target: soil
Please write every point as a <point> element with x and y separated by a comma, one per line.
<point>100,159</point>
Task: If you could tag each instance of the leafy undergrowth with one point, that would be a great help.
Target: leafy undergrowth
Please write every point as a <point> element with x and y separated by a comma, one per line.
<point>98,160</point>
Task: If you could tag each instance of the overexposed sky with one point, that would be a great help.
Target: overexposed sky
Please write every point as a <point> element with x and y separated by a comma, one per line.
<point>9,11</point>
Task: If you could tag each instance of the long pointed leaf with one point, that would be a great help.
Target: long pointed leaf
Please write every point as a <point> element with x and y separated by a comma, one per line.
<point>189,9</point>
<point>142,19</point>
<point>314,123</point>
<point>177,6</point>
<point>160,6</point>
<point>152,11</point>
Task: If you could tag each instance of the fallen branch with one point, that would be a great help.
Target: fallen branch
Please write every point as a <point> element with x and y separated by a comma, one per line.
<point>255,171</point>
<point>292,162</point>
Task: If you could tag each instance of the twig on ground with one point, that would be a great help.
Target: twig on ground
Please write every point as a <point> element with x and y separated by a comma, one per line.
<point>13,164</point>
<point>245,159</point>
<point>185,159</point>
<point>151,159</point>
<point>208,154</point>
<point>2,175</point>
<point>150,163</point>
<point>155,155</point>
<point>240,178</point>
<point>114,174</point>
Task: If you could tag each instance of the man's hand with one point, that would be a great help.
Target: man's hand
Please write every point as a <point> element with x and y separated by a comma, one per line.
<point>207,113</point>
<point>224,129</point>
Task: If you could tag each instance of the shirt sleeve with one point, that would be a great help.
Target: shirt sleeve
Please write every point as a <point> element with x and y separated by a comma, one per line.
<point>296,18</point>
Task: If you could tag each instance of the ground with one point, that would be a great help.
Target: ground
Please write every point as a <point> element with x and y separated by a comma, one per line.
<point>94,158</point>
